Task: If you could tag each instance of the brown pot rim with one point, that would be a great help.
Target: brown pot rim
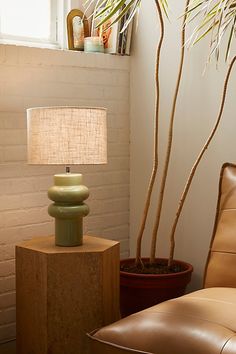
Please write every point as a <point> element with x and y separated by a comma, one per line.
<point>189,269</point>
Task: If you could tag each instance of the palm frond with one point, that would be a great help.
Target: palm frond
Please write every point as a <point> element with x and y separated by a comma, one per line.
<point>218,18</point>
<point>115,10</point>
<point>230,40</point>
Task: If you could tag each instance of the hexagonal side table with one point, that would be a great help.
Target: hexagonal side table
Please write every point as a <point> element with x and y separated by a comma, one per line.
<point>64,292</point>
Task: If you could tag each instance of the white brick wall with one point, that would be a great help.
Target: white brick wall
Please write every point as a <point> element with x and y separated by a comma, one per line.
<point>31,77</point>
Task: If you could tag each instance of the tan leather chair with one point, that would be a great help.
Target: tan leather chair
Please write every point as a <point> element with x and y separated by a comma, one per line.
<point>203,322</point>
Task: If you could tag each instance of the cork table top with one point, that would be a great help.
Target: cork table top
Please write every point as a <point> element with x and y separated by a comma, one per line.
<point>46,244</point>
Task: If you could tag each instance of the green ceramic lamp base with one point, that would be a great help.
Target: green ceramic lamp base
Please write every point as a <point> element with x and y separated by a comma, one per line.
<point>68,208</point>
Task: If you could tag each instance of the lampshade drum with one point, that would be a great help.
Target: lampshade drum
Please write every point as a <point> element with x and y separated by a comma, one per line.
<point>67,135</point>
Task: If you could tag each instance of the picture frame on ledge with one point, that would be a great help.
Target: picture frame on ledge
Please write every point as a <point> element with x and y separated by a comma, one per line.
<point>109,36</point>
<point>115,41</point>
<point>77,29</point>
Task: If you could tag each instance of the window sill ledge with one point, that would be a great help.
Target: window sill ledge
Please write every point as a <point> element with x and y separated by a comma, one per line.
<point>25,55</point>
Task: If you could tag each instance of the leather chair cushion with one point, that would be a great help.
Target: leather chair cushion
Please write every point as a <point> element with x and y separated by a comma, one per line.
<point>202,322</point>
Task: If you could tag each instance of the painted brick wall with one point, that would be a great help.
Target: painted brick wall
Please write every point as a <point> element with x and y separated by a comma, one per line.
<point>31,77</point>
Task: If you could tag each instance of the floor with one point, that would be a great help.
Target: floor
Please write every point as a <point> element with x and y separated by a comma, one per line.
<point>8,348</point>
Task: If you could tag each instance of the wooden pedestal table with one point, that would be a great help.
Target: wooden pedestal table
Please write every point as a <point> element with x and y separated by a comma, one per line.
<point>64,292</point>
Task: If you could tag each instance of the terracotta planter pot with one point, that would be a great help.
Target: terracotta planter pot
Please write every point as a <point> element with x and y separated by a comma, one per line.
<point>139,291</point>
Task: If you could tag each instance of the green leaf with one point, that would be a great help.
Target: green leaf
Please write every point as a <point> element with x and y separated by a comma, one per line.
<point>121,12</point>
<point>216,17</point>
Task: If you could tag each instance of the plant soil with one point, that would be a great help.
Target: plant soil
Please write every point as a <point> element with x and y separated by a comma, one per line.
<point>159,267</point>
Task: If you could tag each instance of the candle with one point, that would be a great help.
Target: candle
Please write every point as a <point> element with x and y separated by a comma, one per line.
<point>93,44</point>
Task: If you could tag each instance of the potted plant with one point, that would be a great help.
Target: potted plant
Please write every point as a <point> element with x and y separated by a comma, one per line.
<point>162,279</point>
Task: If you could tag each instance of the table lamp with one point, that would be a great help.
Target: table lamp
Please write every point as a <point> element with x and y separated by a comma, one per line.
<point>67,136</point>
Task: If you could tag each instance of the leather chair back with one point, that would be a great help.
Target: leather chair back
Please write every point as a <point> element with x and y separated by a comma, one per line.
<point>221,263</point>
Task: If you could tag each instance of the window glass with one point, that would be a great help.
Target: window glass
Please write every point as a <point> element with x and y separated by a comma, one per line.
<point>33,20</point>
<point>26,18</point>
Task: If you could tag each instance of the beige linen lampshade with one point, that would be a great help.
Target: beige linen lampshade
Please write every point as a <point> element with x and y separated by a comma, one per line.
<point>67,136</point>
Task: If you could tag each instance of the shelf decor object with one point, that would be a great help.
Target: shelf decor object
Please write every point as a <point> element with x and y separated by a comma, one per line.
<point>93,44</point>
<point>67,136</point>
<point>77,29</point>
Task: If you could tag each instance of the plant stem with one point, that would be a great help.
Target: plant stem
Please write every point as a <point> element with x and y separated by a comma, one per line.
<point>193,170</point>
<point>156,128</point>
<point>169,144</point>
